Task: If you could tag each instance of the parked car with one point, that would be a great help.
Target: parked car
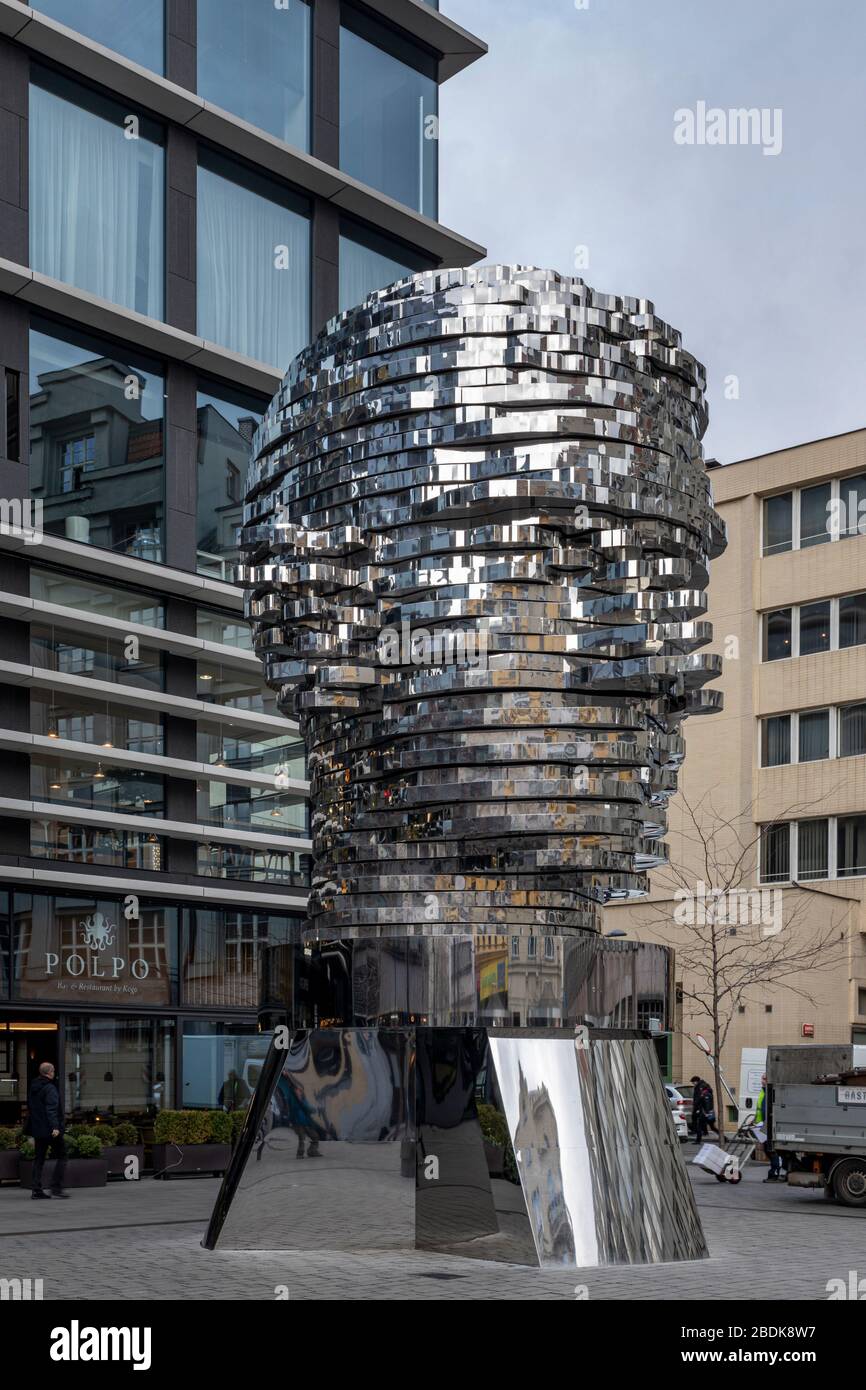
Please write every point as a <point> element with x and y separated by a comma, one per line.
<point>682,1109</point>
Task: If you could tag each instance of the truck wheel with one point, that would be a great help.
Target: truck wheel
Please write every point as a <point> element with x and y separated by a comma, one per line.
<point>849,1182</point>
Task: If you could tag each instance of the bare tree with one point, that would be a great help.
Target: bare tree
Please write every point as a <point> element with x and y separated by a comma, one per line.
<point>735,940</point>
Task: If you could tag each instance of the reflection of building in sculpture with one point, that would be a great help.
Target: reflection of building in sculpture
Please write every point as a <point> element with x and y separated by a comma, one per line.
<point>535,996</point>
<point>536,1141</point>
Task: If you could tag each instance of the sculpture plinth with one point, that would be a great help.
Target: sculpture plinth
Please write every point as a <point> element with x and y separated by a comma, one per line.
<point>478,528</point>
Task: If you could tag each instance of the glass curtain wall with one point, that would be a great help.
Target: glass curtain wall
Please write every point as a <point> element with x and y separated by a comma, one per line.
<point>253,263</point>
<point>254,60</point>
<point>135,28</point>
<point>97,194</point>
<point>369,262</point>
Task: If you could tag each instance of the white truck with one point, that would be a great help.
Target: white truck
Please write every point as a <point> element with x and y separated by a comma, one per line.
<point>816,1102</point>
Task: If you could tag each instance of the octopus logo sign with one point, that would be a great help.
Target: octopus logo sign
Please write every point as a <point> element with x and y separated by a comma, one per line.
<point>97,932</point>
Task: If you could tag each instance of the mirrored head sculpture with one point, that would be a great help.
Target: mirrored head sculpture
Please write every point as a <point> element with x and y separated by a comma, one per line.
<point>478,530</point>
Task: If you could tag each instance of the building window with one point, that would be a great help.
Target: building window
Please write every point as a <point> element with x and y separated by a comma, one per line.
<point>221,954</point>
<point>549,948</point>
<point>777,634</point>
<point>515,948</point>
<point>852,620</point>
<point>850,846</point>
<point>97,447</point>
<point>814,736</point>
<point>370,262</point>
<point>254,60</point>
<point>97,198</point>
<point>63,649</point>
<point>814,628</point>
<point>828,511</point>
<point>388,112</point>
<point>97,600</point>
<point>778,526</point>
<point>812,849</point>
<point>775,853</point>
<point>814,515</point>
<point>63,714</point>
<point>135,28</point>
<point>852,731</point>
<point>253,263</point>
<point>776,740</point>
<point>225,425</point>
<point>531,947</point>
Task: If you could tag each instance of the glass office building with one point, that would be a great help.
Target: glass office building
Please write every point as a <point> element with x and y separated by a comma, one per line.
<point>191,190</point>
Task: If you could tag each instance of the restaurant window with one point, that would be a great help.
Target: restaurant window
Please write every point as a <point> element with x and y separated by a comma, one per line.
<point>84,949</point>
<point>253,262</point>
<point>776,740</point>
<point>118,1068</point>
<point>97,197</point>
<point>97,447</point>
<point>221,1062</point>
<point>388,112</point>
<point>254,60</point>
<point>777,634</point>
<point>370,261</point>
<point>135,28</point>
<point>221,952</point>
<point>778,527</point>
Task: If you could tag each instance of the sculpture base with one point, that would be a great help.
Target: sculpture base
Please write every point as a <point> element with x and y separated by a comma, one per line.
<point>509,1145</point>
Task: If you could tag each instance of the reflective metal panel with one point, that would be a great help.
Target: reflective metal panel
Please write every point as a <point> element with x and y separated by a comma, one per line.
<point>328,1159</point>
<point>596,1150</point>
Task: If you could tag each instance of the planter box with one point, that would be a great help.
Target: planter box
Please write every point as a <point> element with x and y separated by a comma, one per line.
<point>80,1172</point>
<point>8,1165</point>
<point>495,1155</point>
<point>116,1157</point>
<point>171,1159</point>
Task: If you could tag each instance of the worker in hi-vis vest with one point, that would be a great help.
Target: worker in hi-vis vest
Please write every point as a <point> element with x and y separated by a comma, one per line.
<point>775,1174</point>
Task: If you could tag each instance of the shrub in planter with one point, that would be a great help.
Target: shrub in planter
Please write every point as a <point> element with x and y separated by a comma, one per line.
<point>127,1135</point>
<point>497,1143</point>
<point>85,1167</point>
<point>237,1118</point>
<point>9,1139</point>
<point>106,1134</point>
<point>184,1142</point>
<point>220,1127</point>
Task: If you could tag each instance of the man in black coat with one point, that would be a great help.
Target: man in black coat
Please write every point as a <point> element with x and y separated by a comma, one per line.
<point>45,1126</point>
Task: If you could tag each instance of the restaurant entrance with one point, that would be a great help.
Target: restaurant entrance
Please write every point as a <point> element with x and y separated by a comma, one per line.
<point>25,1042</point>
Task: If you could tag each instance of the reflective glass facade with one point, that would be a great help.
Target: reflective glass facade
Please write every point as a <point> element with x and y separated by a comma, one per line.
<point>389,132</point>
<point>135,28</point>
<point>97,194</point>
<point>97,442</point>
<point>253,263</point>
<point>225,425</point>
<point>369,261</point>
<point>254,60</point>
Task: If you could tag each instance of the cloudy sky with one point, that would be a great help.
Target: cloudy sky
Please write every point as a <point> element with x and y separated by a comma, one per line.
<point>563,137</point>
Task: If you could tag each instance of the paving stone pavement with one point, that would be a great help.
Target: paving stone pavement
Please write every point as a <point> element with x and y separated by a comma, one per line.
<point>141,1241</point>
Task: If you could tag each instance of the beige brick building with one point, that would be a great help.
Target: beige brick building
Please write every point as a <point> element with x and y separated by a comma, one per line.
<point>788,753</point>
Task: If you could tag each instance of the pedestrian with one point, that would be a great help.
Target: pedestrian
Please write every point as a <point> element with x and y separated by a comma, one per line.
<point>776,1173</point>
<point>45,1126</point>
<point>234,1092</point>
<point>703,1109</point>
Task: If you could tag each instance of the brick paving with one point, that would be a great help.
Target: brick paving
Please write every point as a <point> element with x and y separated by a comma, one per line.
<point>141,1241</point>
